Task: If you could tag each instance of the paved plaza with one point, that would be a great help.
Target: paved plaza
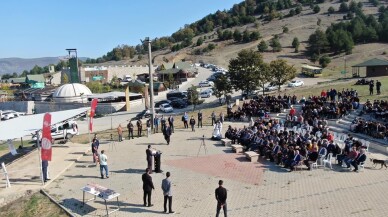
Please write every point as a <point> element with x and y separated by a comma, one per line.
<point>254,189</point>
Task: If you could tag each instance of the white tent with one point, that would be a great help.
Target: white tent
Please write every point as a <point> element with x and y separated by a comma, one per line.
<point>26,125</point>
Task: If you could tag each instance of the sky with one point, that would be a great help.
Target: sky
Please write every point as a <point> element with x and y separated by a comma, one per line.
<point>45,28</point>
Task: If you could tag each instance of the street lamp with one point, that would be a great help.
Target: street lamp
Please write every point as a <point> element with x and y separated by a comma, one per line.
<point>147,40</point>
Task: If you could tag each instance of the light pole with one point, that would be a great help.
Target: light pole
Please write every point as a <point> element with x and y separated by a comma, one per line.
<point>151,82</point>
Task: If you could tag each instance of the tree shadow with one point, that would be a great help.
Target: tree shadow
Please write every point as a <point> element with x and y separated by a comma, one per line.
<point>300,56</point>
<point>77,207</point>
<point>151,144</point>
<point>81,176</point>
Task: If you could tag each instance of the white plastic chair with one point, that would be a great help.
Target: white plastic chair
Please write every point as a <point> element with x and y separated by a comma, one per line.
<point>367,143</point>
<point>328,160</point>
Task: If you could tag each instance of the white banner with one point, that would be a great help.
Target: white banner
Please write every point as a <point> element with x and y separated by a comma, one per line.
<point>11,148</point>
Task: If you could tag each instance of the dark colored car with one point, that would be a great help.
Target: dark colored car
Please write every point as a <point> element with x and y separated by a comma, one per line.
<point>179,103</point>
<point>141,115</point>
<point>157,104</point>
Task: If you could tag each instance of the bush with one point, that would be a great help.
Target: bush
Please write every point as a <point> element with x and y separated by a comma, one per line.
<point>331,10</point>
<point>324,60</point>
<point>316,9</point>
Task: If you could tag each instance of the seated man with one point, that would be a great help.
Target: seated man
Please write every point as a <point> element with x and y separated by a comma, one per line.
<point>311,158</point>
<point>274,153</point>
<point>360,159</point>
<point>295,161</point>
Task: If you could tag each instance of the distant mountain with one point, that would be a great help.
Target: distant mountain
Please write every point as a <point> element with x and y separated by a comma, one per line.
<point>18,65</point>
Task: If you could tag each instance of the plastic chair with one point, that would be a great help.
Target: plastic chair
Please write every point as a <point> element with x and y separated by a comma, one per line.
<point>314,165</point>
<point>328,160</point>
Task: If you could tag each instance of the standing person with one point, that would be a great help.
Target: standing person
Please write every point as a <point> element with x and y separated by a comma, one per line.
<point>149,158</point>
<point>163,123</point>
<point>156,124</point>
<point>200,118</point>
<point>148,186</point>
<point>130,129</point>
<point>139,125</point>
<point>167,134</point>
<point>185,119</point>
<point>213,118</point>
<point>222,117</point>
<point>166,187</point>
<point>148,124</point>
<point>120,132</point>
<point>171,123</point>
<point>371,85</point>
<point>221,196</point>
<point>103,164</point>
<point>192,124</point>
<point>45,170</point>
<point>378,86</point>
<point>95,145</point>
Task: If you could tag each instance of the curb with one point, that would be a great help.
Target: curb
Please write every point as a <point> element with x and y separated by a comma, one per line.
<point>55,202</point>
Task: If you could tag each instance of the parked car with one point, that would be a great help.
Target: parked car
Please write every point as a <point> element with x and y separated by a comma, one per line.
<point>206,84</point>
<point>179,103</point>
<point>144,114</point>
<point>62,131</point>
<point>8,114</point>
<point>176,94</point>
<point>296,83</point>
<point>271,87</point>
<point>206,93</point>
<point>157,104</point>
<point>166,108</point>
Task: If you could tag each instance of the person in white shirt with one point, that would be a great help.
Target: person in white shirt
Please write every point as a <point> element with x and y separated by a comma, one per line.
<point>103,164</point>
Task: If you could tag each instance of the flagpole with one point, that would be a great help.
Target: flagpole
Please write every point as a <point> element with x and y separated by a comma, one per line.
<point>40,159</point>
<point>89,127</point>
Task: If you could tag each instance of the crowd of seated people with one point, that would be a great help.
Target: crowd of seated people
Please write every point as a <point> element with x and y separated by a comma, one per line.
<point>379,108</point>
<point>375,129</point>
<point>261,106</point>
<point>288,148</point>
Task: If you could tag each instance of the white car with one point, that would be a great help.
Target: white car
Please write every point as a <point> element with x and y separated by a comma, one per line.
<point>166,108</point>
<point>206,84</point>
<point>6,115</point>
<point>271,87</point>
<point>296,83</point>
<point>206,93</point>
<point>62,131</point>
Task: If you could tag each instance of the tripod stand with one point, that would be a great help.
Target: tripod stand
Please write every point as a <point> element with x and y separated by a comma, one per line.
<point>112,143</point>
<point>202,144</point>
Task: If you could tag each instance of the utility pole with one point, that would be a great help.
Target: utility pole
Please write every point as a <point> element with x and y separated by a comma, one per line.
<point>345,66</point>
<point>147,39</point>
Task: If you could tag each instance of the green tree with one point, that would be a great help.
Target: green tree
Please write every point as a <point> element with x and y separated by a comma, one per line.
<point>343,7</point>
<point>211,46</point>
<point>331,10</point>
<point>295,44</point>
<point>262,47</point>
<point>324,61</point>
<point>244,70</point>
<point>275,44</point>
<point>316,9</point>
<point>222,87</point>
<point>199,41</point>
<point>255,35</point>
<point>115,82</point>
<point>193,96</point>
<point>281,72</point>
<point>65,79</point>
<point>318,42</point>
<point>246,37</point>
<point>237,36</point>
<point>298,9</point>
<point>285,29</point>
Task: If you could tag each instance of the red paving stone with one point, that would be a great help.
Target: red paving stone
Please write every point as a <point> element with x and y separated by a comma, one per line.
<point>229,166</point>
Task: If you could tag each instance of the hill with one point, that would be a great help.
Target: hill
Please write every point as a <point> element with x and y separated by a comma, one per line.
<point>300,25</point>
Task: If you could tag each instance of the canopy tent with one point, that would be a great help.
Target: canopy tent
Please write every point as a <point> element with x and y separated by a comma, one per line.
<point>27,125</point>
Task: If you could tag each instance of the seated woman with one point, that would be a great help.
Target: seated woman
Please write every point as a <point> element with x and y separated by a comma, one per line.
<point>311,157</point>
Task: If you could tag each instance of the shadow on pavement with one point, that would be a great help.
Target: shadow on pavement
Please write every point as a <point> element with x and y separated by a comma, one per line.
<point>76,206</point>
<point>137,171</point>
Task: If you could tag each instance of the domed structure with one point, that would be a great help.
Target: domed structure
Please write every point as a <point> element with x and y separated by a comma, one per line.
<point>74,92</point>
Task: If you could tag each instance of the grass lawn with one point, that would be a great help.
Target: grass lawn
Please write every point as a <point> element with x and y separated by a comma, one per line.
<point>36,204</point>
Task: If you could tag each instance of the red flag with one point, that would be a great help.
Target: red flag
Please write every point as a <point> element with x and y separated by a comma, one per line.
<point>92,113</point>
<point>46,138</point>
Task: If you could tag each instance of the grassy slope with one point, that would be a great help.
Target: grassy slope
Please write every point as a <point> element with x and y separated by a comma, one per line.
<point>33,205</point>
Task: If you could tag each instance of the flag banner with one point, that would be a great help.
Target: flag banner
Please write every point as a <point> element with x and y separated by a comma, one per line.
<point>92,113</point>
<point>46,138</point>
<point>11,148</point>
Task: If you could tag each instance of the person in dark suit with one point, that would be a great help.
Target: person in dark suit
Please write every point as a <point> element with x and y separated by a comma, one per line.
<point>130,129</point>
<point>200,118</point>
<point>221,196</point>
<point>312,157</point>
<point>149,158</point>
<point>167,134</point>
<point>44,170</point>
<point>148,186</point>
<point>295,161</point>
<point>359,159</point>
<point>171,122</point>
<point>139,125</point>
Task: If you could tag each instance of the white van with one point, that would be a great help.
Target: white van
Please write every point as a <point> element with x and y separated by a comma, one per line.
<point>62,131</point>
<point>206,93</point>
